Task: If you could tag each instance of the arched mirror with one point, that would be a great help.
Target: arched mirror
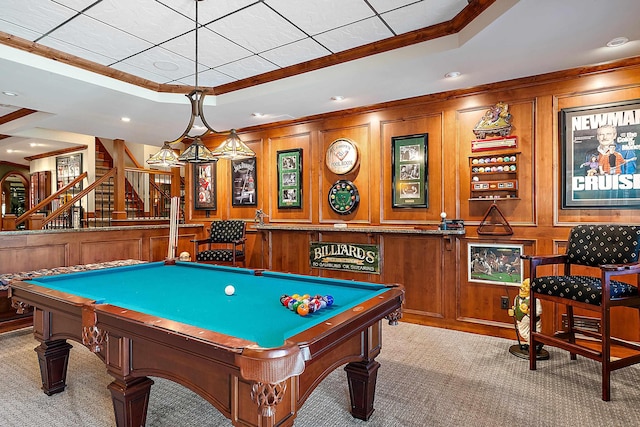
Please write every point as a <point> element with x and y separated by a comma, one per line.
<point>15,194</point>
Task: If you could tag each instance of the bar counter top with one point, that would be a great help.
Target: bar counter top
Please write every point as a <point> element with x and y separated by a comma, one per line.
<point>434,230</point>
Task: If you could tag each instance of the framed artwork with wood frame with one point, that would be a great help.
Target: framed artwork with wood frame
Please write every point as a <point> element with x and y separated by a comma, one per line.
<point>600,150</point>
<point>409,179</point>
<point>204,177</point>
<point>244,182</point>
<point>495,263</point>
<point>290,179</point>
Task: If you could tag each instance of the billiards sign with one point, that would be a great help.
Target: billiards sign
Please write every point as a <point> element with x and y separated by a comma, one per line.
<point>345,256</point>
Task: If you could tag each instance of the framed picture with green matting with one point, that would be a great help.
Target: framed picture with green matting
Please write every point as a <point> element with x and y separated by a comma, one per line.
<point>409,180</point>
<point>290,179</point>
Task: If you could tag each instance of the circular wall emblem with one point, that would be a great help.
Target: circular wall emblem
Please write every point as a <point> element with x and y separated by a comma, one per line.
<point>343,197</point>
<point>342,156</point>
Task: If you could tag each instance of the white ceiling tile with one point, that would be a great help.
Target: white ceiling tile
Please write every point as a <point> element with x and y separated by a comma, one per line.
<point>207,10</point>
<point>213,49</point>
<point>362,32</point>
<point>423,14</point>
<point>140,72</point>
<point>386,5</point>
<point>101,38</point>
<point>80,52</point>
<point>247,67</point>
<point>154,58</point>
<point>295,53</point>
<point>257,28</point>
<point>77,5</point>
<point>317,16</point>
<point>18,30</point>
<point>209,78</point>
<point>37,15</point>
<point>146,19</point>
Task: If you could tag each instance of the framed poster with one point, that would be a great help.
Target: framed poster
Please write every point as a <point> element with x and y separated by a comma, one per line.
<point>290,178</point>
<point>68,168</point>
<point>205,196</point>
<point>244,185</point>
<point>495,263</point>
<point>600,156</point>
<point>409,181</point>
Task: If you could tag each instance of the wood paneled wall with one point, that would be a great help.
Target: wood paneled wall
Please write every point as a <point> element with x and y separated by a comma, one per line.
<point>440,293</point>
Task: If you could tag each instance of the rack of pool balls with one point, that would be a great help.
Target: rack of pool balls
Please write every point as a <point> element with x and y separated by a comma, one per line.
<point>305,304</point>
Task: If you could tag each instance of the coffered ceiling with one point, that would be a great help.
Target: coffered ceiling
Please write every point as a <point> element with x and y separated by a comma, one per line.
<point>82,65</point>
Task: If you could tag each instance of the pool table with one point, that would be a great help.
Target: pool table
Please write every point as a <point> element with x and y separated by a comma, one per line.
<point>252,358</point>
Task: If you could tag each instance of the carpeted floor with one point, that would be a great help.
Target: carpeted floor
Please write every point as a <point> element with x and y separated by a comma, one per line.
<point>429,377</point>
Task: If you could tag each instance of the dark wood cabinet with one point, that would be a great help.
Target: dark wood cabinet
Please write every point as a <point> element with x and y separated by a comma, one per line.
<point>40,183</point>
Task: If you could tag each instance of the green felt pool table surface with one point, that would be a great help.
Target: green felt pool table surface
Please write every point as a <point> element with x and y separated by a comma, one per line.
<point>193,294</point>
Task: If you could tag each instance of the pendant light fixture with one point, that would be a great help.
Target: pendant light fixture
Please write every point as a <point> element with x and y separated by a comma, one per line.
<point>197,152</point>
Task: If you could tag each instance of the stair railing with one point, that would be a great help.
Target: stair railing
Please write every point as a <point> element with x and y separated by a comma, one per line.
<point>55,196</point>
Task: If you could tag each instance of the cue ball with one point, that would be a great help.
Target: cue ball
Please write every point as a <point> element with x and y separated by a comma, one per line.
<point>229,290</point>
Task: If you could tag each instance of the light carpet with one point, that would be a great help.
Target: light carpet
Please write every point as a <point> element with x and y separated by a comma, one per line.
<point>428,377</point>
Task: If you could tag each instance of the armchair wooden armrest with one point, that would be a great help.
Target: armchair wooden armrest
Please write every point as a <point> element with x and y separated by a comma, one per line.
<point>622,268</point>
<point>537,260</point>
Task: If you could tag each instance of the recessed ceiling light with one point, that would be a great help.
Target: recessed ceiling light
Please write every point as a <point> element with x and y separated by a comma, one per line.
<point>452,74</point>
<point>337,98</point>
<point>165,65</point>
<point>618,41</point>
<point>125,119</point>
<point>9,93</point>
<point>257,114</point>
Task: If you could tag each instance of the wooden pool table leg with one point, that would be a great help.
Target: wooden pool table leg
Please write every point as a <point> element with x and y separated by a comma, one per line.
<point>130,397</point>
<point>362,387</point>
<point>53,357</point>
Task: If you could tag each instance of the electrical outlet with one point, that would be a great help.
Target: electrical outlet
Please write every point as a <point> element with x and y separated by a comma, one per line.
<point>504,303</point>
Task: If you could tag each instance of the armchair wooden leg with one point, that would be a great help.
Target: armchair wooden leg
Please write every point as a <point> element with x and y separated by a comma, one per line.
<point>532,334</point>
<point>605,331</point>
<point>571,330</point>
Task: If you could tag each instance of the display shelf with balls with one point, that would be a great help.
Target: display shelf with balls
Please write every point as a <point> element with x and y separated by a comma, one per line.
<point>494,176</point>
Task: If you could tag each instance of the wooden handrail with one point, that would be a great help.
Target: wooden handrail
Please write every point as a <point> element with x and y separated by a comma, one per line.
<point>149,171</point>
<point>22,218</point>
<point>133,159</point>
<point>65,207</point>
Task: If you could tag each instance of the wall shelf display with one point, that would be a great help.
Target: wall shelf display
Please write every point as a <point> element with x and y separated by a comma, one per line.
<point>494,176</point>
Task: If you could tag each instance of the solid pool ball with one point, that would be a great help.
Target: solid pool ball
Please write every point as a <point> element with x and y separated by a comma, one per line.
<point>229,290</point>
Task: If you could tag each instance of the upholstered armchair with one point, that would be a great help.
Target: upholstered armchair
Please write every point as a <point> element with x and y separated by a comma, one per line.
<point>602,254</point>
<point>225,245</point>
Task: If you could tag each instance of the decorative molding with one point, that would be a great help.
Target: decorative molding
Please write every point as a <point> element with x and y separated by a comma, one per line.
<point>57,152</point>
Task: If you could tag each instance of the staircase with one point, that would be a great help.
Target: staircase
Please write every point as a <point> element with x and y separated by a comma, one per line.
<point>104,198</point>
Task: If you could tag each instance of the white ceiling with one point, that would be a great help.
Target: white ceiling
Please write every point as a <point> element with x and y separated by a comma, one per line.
<point>154,40</point>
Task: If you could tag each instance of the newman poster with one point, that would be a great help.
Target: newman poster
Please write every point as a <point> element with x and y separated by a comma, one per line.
<point>600,148</point>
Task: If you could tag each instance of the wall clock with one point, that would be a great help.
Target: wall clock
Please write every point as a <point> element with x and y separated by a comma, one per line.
<point>343,197</point>
<point>342,156</point>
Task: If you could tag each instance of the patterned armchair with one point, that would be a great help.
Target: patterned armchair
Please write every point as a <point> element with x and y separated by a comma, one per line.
<point>602,253</point>
<point>225,245</point>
